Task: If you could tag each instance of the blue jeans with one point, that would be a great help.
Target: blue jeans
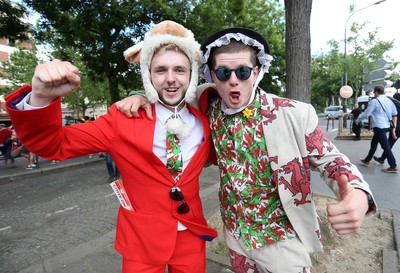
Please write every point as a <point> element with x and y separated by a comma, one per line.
<point>392,141</point>
<point>112,171</point>
<point>6,150</point>
<point>380,136</point>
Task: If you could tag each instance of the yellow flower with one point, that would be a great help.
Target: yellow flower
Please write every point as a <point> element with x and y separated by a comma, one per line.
<point>247,112</point>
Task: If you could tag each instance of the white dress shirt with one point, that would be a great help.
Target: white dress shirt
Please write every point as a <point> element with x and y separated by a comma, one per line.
<point>189,145</point>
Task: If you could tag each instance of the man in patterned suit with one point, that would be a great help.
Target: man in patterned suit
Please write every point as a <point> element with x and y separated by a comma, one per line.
<point>266,147</point>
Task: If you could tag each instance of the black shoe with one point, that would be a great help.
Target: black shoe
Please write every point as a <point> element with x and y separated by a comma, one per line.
<point>377,159</point>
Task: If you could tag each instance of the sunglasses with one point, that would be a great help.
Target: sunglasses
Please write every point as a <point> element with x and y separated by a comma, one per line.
<point>176,195</point>
<point>242,73</point>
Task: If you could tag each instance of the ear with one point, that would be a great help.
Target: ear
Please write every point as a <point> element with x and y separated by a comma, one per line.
<point>213,76</point>
<point>256,70</point>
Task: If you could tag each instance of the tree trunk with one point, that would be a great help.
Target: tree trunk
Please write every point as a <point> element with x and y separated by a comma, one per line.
<point>114,91</point>
<point>298,52</point>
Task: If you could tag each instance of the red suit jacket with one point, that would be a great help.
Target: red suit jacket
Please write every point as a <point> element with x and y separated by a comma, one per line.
<point>149,233</point>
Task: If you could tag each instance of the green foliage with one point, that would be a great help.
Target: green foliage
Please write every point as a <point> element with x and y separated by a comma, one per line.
<point>328,68</point>
<point>11,25</point>
<point>92,92</point>
<point>19,69</point>
<point>99,31</point>
<point>365,52</point>
<point>326,73</point>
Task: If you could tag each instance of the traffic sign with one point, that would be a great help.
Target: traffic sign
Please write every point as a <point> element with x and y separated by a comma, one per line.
<point>346,91</point>
<point>371,86</point>
<point>378,65</point>
<point>377,75</point>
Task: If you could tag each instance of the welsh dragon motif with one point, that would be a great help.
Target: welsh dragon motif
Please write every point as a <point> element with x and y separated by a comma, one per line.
<point>339,167</point>
<point>240,263</point>
<point>316,141</point>
<point>268,112</point>
<point>282,102</point>
<point>298,182</point>
<point>268,115</point>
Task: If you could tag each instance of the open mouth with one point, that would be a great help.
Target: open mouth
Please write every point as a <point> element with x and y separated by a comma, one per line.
<point>235,95</point>
<point>171,90</point>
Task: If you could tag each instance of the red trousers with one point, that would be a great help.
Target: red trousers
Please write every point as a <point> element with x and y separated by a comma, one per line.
<point>189,257</point>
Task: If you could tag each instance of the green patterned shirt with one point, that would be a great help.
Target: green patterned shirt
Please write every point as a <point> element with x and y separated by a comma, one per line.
<point>250,204</point>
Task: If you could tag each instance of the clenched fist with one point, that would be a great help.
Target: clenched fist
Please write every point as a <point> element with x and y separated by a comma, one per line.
<point>52,80</point>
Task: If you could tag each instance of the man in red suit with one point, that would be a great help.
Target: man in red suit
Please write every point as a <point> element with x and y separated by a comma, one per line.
<point>166,226</point>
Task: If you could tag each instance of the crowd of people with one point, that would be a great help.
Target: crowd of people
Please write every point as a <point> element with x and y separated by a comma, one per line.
<point>12,148</point>
<point>383,111</point>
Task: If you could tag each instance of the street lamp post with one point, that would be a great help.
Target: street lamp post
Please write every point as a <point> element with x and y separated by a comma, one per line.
<point>344,79</point>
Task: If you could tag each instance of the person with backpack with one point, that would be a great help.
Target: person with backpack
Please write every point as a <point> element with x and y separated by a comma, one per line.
<point>395,134</point>
<point>382,111</point>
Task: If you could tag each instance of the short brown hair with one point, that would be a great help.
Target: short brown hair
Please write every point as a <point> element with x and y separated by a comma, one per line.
<point>166,47</point>
<point>379,89</point>
<point>233,47</point>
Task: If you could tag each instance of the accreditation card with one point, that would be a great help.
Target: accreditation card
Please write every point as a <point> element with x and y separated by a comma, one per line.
<point>120,192</point>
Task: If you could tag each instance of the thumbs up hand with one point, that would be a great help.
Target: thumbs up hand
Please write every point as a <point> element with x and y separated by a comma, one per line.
<point>347,216</point>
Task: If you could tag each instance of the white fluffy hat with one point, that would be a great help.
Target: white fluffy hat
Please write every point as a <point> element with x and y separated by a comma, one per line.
<point>164,33</point>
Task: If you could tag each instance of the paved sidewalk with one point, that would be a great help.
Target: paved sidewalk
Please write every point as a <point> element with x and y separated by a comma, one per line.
<point>99,255</point>
<point>9,174</point>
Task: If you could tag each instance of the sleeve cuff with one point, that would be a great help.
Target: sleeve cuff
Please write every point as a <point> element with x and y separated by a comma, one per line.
<point>141,93</point>
<point>24,105</point>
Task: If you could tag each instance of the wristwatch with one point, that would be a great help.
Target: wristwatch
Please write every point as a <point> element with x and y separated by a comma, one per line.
<point>371,203</point>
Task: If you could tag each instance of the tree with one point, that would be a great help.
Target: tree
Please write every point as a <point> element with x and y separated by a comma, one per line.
<point>19,69</point>
<point>365,52</point>
<point>11,25</point>
<point>327,68</point>
<point>91,93</point>
<point>326,71</point>
<point>298,49</point>
<point>99,31</point>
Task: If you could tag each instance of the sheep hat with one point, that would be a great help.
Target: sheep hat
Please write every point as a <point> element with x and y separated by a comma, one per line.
<point>164,33</point>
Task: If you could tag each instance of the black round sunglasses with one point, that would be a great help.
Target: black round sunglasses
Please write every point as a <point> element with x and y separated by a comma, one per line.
<point>176,194</point>
<point>242,73</point>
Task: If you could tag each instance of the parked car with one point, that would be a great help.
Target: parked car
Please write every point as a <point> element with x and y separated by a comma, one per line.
<point>333,112</point>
